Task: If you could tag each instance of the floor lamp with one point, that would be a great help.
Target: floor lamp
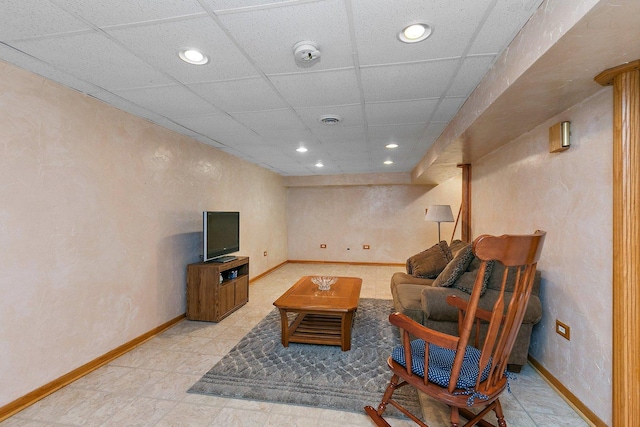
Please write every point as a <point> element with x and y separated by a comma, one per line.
<point>439,213</point>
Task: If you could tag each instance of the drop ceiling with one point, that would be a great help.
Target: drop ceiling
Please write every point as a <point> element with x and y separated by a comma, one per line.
<point>251,99</point>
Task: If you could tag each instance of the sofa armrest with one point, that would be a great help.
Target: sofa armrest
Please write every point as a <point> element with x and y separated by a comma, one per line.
<point>400,278</point>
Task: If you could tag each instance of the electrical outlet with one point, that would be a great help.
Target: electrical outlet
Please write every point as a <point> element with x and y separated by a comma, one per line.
<point>264,253</point>
<point>365,247</point>
<point>323,246</point>
<point>563,330</point>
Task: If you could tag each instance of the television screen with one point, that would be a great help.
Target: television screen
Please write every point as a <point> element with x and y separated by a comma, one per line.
<point>221,234</point>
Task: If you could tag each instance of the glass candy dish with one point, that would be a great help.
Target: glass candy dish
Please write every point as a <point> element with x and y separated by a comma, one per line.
<point>324,282</point>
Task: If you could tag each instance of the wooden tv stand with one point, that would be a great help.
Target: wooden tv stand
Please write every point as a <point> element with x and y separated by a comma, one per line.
<point>208,299</point>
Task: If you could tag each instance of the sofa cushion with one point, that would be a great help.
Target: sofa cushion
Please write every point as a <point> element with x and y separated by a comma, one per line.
<point>455,268</point>
<point>429,263</point>
<point>466,281</point>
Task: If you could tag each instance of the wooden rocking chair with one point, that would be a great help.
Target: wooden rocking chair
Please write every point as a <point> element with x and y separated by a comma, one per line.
<point>461,375</point>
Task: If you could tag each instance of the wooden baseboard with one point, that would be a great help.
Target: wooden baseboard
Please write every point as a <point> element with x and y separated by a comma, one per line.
<point>580,407</point>
<point>373,264</point>
<point>261,275</point>
<point>41,392</point>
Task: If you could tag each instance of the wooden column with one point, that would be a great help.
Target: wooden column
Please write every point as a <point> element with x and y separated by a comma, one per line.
<point>465,206</point>
<point>625,80</point>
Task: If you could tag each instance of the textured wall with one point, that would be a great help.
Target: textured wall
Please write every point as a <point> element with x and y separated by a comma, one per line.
<point>100,212</point>
<point>389,218</point>
<point>523,187</point>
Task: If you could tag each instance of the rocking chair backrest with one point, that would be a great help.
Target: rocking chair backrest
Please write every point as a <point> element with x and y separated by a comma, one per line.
<point>518,254</point>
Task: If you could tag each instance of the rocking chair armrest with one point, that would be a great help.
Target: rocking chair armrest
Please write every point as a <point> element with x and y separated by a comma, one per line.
<point>420,331</point>
<point>462,305</point>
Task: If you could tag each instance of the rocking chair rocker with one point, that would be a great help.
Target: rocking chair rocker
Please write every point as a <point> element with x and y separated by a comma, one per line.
<point>448,368</point>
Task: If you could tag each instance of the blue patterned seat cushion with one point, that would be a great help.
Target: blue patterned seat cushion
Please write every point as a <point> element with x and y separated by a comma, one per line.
<point>440,363</point>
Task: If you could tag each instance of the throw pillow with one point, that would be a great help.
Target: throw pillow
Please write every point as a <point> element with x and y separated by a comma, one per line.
<point>468,279</point>
<point>455,268</point>
<point>456,245</point>
<point>428,264</point>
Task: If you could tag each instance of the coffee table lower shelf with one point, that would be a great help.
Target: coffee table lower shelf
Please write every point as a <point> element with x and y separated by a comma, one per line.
<point>313,328</point>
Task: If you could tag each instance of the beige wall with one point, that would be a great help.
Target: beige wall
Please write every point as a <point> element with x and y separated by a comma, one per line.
<point>522,187</point>
<point>389,218</point>
<point>100,212</point>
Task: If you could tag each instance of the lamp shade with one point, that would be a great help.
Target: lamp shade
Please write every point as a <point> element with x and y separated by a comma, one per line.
<point>439,213</point>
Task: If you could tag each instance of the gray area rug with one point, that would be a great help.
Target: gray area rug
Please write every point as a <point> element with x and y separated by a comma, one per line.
<point>260,368</point>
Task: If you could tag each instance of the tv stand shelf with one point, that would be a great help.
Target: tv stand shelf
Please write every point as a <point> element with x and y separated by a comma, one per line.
<point>210,300</point>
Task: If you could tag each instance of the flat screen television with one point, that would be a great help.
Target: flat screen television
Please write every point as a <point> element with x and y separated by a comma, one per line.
<point>221,235</point>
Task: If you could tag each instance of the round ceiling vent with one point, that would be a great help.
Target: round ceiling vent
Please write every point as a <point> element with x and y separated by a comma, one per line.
<point>306,53</point>
<point>330,119</point>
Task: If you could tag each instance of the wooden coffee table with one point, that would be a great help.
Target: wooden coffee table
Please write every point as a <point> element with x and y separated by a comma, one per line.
<point>323,317</point>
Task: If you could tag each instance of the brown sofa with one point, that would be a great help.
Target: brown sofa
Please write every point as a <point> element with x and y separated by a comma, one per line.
<point>424,299</point>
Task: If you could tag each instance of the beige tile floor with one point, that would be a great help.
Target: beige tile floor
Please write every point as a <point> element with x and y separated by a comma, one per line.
<point>147,386</point>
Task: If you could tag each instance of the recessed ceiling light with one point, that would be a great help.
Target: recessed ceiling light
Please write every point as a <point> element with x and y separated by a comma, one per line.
<point>415,33</point>
<point>388,162</point>
<point>319,165</point>
<point>330,119</point>
<point>301,150</point>
<point>192,56</point>
<point>392,145</point>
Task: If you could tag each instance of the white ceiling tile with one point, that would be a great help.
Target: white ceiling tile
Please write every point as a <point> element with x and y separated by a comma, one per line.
<point>268,35</point>
<point>396,133</point>
<point>94,58</point>
<point>351,160</point>
<point>252,94</point>
<point>159,44</point>
<point>400,151</point>
<point>337,134</point>
<point>379,155</point>
<point>377,23</point>
<point>27,62</point>
<point>183,101</point>
<point>318,89</point>
<point>291,138</point>
<point>448,108</point>
<point>216,127</point>
<point>472,70</point>
<point>43,18</point>
<point>270,121</point>
<point>504,22</point>
<point>263,151</point>
<point>351,115</point>
<point>220,5</point>
<point>103,13</point>
<point>400,112</point>
<point>346,144</point>
<point>434,129</point>
<point>408,81</point>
